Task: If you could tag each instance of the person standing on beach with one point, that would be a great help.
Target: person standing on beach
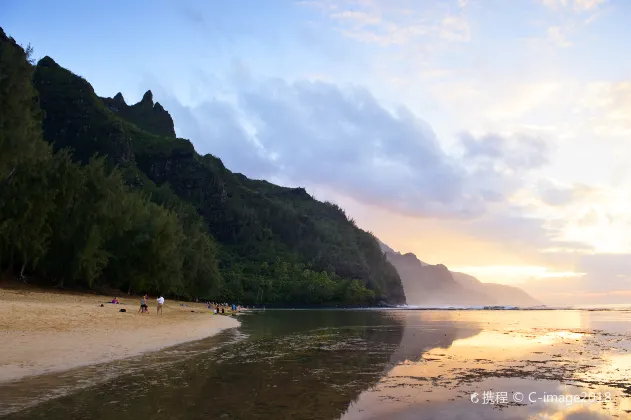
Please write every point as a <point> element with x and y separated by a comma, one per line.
<point>143,305</point>
<point>160,303</point>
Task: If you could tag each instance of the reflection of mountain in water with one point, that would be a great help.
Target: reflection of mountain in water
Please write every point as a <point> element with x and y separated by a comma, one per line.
<point>422,332</point>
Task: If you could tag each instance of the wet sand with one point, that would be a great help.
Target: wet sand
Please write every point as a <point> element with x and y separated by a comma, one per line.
<point>44,332</point>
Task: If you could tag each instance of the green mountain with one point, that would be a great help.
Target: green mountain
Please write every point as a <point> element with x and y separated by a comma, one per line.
<point>273,244</point>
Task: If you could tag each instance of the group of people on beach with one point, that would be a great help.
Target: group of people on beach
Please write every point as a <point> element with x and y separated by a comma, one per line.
<point>144,308</point>
<point>217,308</point>
<point>220,307</point>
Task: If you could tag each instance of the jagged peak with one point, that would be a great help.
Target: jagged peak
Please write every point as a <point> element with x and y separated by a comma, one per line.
<point>119,98</point>
<point>147,98</point>
<point>47,62</point>
<point>158,107</point>
<point>300,191</point>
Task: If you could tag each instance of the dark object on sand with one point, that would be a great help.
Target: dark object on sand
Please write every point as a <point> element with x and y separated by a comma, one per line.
<point>102,305</point>
<point>122,310</point>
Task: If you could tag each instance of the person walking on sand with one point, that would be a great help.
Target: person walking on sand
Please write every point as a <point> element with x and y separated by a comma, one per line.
<point>160,303</point>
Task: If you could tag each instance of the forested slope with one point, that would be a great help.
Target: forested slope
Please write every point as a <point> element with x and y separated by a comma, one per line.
<point>236,238</point>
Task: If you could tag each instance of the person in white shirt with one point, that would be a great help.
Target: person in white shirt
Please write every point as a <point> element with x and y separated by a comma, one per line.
<point>160,304</point>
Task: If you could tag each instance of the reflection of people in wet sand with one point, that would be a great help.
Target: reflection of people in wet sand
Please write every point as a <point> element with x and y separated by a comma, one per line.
<point>143,305</point>
<point>160,303</point>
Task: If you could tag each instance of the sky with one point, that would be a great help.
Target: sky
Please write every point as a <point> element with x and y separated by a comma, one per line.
<point>491,136</point>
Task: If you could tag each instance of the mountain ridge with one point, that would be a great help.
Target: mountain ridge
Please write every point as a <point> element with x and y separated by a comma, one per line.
<point>260,227</point>
<point>427,284</point>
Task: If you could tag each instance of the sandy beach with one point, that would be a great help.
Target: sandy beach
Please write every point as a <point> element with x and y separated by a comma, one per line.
<point>44,331</point>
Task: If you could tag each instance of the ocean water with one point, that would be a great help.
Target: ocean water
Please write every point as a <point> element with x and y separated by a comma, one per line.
<point>587,307</point>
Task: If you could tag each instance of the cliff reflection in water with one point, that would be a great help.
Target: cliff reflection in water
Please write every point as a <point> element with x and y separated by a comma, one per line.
<point>576,359</point>
<point>293,364</point>
<point>424,331</point>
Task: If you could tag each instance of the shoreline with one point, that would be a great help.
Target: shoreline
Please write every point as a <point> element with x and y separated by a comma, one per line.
<point>46,332</point>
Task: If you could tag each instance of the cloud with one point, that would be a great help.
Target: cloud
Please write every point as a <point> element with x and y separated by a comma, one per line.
<point>555,194</point>
<point>604,278</point>
<point>358,18</point>
<point>520,152</point>
<point>607,107</point>
<point>576,6</point>
<point>343,140</point>
<point>314,132</point>
<point>569,18</point>
<point>597,215</point>
<point>518,231</point>
<point>455,28</point>
<point>394,22</point>
<point>499,98</point>
<point>587,5</point>
<point>557,35</point>
<point>608,266</point>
